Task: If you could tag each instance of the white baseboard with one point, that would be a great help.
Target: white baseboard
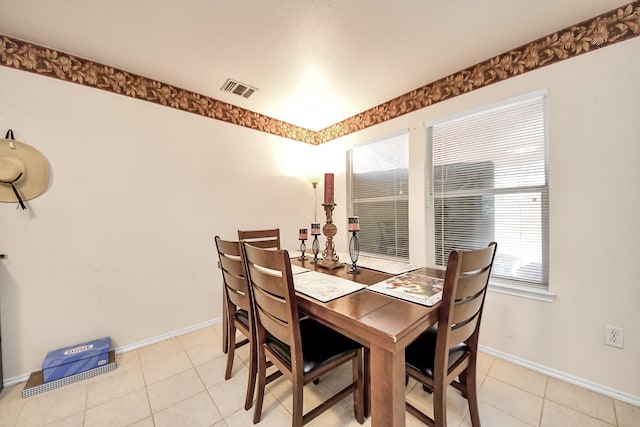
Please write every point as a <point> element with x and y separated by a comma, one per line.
<point>166,336</point>
<point>580,382</point>
<point>8,382</point>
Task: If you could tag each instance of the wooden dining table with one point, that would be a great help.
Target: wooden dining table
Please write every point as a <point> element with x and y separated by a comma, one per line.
<point>384,325</point>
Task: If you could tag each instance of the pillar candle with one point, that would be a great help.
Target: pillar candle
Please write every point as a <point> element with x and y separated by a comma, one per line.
<point>315,229</point>
<point>354,223</point>
<point>328,189</point>
<point>303,234</point>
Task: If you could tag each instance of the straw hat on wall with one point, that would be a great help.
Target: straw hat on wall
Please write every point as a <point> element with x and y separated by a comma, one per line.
<point>24,171</point>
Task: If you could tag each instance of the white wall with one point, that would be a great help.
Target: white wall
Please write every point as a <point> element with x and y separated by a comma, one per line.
<point>121,243</point>
<point>594,175</point>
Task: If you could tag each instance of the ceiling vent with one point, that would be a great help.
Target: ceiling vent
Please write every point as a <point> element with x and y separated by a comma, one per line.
<point>238,88</point>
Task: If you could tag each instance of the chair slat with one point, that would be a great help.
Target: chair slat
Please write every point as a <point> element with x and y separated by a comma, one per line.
<point>469,285</point>
<point>264,244</point>
<point>265,239</point>
<point>463,332</point>
<point>238,299</point>
<point>275,327</point>
<point>228,248</point>
<point>477,259</point>
<point>237,283</point>
<point>466,310</point>
<point>271,304</point>
<point>266,281</point>
<point>232,265</point>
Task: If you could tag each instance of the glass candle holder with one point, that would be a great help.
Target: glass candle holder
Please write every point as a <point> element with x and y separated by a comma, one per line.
<point>354,252</point>
<point>302,236</point>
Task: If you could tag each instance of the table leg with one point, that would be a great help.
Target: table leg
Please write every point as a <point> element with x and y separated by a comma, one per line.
<point>387,388</point>
<point>367,382</point>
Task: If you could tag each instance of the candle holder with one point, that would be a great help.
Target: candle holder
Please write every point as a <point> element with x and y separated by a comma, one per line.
<point>354,252</point>
<point>330,257</point>
<point>303,247</point>
<point>302,236</point>
<point>315,247</point>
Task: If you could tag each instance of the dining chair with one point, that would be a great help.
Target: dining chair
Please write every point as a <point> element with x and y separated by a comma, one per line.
<point>266,239</point>
<point>446,354</point>
<point>238,309</point>
<point>302,349</point>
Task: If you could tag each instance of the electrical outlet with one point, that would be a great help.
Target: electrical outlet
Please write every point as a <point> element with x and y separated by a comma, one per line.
<point>613,336</point>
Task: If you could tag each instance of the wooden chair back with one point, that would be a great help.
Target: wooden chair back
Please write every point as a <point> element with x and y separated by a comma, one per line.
<point>276,310</point>
<point>237,310</point>
<point>233,273</point>
<point>453,358</point>
<point>265,239</point>
<point>280,334</point>
<point>463,296</point>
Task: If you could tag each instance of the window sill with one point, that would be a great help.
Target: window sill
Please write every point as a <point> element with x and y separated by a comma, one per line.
<point>521,291</point>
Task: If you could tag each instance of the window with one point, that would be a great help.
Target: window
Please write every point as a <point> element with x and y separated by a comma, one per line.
<point>379,195</point>
<point>488,181</point>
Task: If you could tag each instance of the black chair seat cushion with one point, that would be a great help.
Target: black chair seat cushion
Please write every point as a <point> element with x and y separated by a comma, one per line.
<point>320,345</point>
<point>242,316</point>
<point>420,354</point>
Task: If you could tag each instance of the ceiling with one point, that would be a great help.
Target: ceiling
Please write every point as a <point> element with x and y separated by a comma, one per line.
<point>314,62</point>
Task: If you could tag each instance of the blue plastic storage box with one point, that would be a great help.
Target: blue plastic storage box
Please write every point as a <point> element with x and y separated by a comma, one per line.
<point>67,361</point>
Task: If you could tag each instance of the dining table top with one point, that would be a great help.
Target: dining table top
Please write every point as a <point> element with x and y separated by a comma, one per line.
<point>379,318</point>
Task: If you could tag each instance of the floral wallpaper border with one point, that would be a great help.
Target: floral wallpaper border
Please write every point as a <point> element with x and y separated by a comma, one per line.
<point>612,27</point>
<point>604,30</point>
<point>29,57</point>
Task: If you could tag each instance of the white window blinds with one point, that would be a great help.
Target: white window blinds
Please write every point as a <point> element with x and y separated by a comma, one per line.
<point>379,195</point>
<point>489,182</point>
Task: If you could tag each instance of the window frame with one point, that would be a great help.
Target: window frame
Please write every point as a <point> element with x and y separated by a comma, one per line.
<point>351,201</point>
<point>512,286</point>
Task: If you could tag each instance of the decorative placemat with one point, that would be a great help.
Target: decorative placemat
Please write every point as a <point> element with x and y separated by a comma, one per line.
<point>324,287</point>
<point>385,265</point>
<point>414,287</point>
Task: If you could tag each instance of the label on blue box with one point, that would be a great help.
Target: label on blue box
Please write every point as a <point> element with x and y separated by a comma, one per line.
<point>71,360</point>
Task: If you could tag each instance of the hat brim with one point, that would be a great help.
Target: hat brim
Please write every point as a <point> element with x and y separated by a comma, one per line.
<point>35,177</point>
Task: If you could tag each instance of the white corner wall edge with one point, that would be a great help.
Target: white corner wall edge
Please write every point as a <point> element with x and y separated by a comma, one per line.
<point>8,382</point>
<point>580,382</point>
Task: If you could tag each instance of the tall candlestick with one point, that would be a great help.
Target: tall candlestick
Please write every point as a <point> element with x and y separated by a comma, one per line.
<point>330,258</point>
<point>328,189</point>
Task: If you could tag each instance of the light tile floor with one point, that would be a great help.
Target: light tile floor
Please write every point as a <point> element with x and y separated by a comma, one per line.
<point>180,382</point>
